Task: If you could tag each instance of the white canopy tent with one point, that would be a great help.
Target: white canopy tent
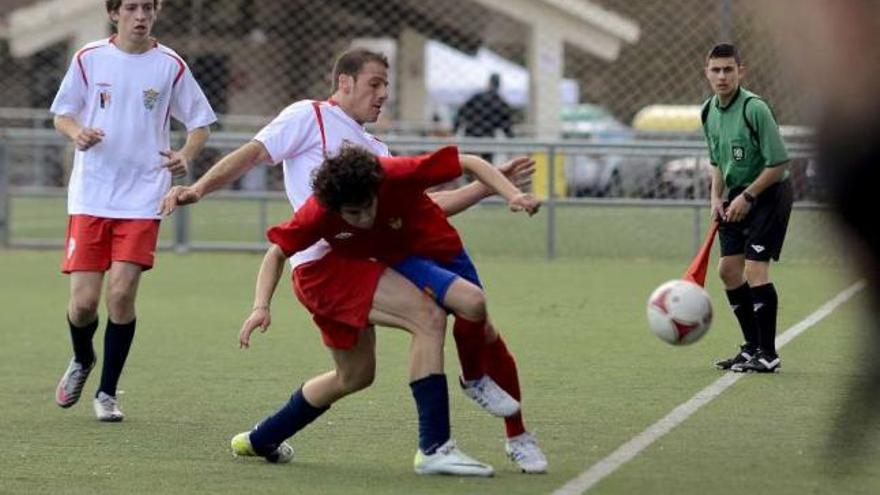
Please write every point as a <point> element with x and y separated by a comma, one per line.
<point>452,77</point>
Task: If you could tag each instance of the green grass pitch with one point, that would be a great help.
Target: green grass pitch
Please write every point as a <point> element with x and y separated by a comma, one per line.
<point>592,374</point>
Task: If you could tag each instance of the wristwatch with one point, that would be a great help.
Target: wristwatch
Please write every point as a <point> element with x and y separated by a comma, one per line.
<point>749,198</point>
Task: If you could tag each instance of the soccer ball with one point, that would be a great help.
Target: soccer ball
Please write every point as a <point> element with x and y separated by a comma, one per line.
<point>679,312</point>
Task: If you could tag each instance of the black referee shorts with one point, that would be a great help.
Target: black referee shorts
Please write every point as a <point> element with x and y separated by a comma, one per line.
<point>759,236</point>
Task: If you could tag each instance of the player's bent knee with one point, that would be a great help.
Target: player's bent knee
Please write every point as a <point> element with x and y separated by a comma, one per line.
<point>475,309</point>
<point>732,276</point>
<point>354,380</point>
<point>82,309</point>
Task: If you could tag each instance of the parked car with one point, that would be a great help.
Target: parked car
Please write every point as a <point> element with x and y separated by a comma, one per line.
<point>604,175</point>
<point>685,177</point>
<point>690,177</point>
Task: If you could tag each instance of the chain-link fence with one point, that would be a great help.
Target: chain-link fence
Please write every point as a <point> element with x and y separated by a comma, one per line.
<point>628,74</point>
<point>254,56</point>
<point>625,70</point>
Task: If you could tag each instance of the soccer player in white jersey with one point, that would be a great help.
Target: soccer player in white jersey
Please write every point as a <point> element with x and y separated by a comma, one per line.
<point>354,294</point>
<point>115,105</point>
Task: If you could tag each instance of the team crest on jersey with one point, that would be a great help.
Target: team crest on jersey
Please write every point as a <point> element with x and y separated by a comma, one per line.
<point>395,223</point>
<point>151,96</point>
<point>739,153</point>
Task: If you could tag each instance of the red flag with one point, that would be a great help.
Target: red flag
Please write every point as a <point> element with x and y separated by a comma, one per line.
<point>696,272</point>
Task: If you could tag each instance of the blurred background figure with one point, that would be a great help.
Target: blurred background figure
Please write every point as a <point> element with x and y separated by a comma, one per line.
<point>831,45</point>
<point>484,113</point>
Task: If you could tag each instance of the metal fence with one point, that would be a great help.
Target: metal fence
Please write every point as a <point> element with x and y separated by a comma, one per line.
<point>594,88</point>
<point>257,200</point>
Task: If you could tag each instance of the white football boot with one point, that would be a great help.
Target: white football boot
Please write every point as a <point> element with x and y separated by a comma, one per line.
<point>524,451</point>
<point>107,408</point>
<point>448,459</point>
<point>71,384</point>
<point>485,392</point>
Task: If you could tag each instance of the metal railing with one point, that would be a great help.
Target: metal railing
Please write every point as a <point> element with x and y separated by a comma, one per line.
<point>227,141</point>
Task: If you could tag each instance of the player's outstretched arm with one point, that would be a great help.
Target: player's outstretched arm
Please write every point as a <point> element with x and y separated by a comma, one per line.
<point>489,175</point>
<point>224,172</point>
<point>519,171</point>
<point>267,280</point>
<point>177,161</point>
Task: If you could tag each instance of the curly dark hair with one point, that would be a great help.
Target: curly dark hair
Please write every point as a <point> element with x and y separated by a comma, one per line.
<point>351,177</point>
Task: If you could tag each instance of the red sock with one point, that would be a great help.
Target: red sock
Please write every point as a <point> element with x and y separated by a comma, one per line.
<point>469,340</point>
<point>501,366</point>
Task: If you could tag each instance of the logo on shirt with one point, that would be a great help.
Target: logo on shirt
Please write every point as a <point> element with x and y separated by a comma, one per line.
<point>739,153</point>
<point>395,223</point>
<point>343,235</point>
<point>104,98</point>
<point>151,96</point>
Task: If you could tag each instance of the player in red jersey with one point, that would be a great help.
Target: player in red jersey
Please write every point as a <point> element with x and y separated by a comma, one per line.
<point>369,207</point>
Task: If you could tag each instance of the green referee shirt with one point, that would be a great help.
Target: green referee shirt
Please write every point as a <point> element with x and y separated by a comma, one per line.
<point>743,153</point>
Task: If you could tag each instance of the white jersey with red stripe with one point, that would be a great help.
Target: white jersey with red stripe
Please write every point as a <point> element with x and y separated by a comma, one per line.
<point>131,97</point>
<point>300,137</point>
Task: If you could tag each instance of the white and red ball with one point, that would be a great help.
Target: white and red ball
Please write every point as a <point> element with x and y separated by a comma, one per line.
<point>679,312</point>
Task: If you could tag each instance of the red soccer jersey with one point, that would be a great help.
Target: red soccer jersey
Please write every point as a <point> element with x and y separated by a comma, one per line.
<point>407,221</point>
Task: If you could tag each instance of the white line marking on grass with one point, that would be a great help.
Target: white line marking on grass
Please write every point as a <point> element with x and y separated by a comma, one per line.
<point>626,452</point>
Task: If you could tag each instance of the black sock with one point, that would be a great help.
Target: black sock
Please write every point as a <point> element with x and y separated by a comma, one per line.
<point>294,416</point>
<point>432,403</point>
<point>766,305</point>
<point>117,342</point>
<point>81,337</point>
<point>741,303</point>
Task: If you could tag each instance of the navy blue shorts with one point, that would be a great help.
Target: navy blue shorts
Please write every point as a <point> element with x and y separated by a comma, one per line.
<point>434,278</point>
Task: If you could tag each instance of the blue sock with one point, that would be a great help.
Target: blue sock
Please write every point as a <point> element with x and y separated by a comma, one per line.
<point>432,402</point>
<point>294,416</point>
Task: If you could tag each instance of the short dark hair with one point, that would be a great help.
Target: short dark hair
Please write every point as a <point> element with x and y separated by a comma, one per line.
<point>352,61</point>
<point>724,50</point>
<point>113,5</point>
<point>351,177</point>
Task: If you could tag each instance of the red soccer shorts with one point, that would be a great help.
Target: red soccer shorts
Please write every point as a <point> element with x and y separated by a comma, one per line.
<point>338,291</point>
<point>92,243</point>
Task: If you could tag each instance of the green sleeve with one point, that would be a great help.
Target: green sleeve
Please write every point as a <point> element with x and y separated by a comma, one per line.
<point>772,147</point>
<point>712,159</point>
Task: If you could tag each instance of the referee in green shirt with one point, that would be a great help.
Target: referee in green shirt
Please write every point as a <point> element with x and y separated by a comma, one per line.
<point>752,198</point>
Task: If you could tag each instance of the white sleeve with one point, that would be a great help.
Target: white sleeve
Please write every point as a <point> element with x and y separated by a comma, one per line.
<point>289,133</point>
<point>71,96</point>
<point>189,104</point>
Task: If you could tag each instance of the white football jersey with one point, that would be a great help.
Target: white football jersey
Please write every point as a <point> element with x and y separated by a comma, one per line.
<point>131,97</point>
<point>300,136</point>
